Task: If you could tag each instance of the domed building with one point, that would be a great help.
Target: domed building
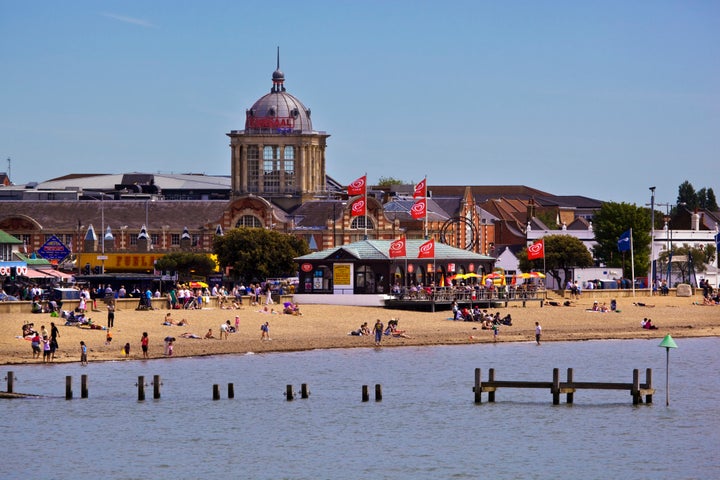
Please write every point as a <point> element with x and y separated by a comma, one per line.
<point>278,155</point>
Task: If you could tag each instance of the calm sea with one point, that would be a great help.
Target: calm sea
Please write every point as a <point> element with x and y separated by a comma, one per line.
<point>426,426</point>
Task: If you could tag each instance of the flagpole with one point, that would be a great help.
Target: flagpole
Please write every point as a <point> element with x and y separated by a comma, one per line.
<point>426,212</point>
<point>632,263</point>
<point>366,206</point>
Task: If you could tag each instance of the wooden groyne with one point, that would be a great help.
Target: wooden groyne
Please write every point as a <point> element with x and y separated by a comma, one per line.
<point>569,387</point>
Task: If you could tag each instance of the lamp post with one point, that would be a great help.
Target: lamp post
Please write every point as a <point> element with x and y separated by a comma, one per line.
<point>651,276</point>
<point>668,343</point>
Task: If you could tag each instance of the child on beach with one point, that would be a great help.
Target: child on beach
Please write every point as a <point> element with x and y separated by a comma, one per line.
<point>83,353</point>
<point>265,331</point>
<point>170,348</point>
<point>144,342</point>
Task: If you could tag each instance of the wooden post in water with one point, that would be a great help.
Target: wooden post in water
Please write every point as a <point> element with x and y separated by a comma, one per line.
<point>10,382</point>
<point>491,378</point>
<point>68,387</point>
<point>648,385</point>
<point>83,386</point>
<point>378,392</point>
<point>231,390</point>
<point>141,388</point>
<point>156,387</point>
<point>555,389</point>
<point>216,391</point>
<point>478,386</point>
<point>289,393</point>
<point>365,394</point>
<point>570,397</point>
<point>304,392</point>
<point>635,392</point>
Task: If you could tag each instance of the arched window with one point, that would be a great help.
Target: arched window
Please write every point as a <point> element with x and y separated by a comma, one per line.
<point>249,221</point>
<point>359,223</point>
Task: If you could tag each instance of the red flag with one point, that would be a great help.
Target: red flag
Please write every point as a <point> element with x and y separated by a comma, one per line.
<point>419,209</point>
<point>358,208</point>
<point>421,189</point>
<point>536,250</point>
<point>358,186</point>
<point>427,249</point>
<point>397,248</point>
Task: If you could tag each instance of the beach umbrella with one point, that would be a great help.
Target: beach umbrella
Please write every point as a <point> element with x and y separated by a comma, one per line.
<point>668,343</point>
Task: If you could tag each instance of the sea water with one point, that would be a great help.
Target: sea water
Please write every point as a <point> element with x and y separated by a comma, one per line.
<point>426,426</point>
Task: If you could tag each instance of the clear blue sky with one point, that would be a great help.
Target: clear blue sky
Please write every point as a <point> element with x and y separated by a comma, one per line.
<point>602,99</point>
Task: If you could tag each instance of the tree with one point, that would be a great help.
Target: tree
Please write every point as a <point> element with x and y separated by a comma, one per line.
<point>186,264</point>
<point>256,254</point>
<point>706,199</point>
<point>687,195</point>
<point>387,181</point>
<point>610,222</point>
<point>562,254</point>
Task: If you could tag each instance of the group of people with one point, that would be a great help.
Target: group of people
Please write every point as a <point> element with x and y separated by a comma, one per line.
<point>43,344</point>
<point>647,324</point>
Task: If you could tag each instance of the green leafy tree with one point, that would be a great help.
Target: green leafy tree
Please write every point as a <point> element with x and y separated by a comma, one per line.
<point>702,256</point>
<point>256,254</point>
<point>706,199</point>
<point>387,181</point>
<point>562,254</point>
<point>687,195</point>
<point>187,264</point>
<point>610,222</point>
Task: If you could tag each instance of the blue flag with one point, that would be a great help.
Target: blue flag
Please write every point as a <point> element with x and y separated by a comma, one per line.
<point>624,242</point>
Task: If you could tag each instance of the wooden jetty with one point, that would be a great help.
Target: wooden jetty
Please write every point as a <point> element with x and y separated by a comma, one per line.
<point>556,387</point>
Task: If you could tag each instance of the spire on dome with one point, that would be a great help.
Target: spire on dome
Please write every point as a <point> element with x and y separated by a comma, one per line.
<point>278,77</point>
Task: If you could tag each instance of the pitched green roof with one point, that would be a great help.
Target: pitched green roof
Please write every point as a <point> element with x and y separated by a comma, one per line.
<point>379,250</point>
<point>6,238</point>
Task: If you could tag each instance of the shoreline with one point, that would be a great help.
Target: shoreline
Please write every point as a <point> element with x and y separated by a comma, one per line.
<point>328,326</point>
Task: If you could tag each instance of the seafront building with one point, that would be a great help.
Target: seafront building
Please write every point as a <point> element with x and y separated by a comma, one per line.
<point>278,179</point>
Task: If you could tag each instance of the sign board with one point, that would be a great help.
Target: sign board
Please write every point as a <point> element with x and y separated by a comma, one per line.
<point>342,275</point>
<point>54,249</point>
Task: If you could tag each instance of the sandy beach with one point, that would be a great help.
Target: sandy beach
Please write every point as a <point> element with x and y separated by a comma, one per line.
<point>323,326</point>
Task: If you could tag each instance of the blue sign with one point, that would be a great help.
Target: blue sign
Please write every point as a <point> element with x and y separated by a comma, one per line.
<point>54,249</point>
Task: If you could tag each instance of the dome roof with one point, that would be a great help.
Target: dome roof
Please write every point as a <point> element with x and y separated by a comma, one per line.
<point>278,111</point>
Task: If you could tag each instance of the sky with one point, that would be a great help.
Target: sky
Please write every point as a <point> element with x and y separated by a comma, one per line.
<point>600,99</point>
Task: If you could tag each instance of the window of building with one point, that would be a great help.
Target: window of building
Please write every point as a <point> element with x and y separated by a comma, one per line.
<point>195,240</point>
<point>155,238</point>
<point>359,223</point>
<point>249,221</point>
<point>253,168</point>
<point>175,239</point>
<point>133,239</point>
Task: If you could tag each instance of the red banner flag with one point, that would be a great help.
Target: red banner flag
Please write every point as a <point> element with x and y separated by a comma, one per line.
<point>421,189</point>
<point>397,248</point>
<point>358,208</point>
<point>419,209</point>
<point>358,186</point>
<point>427,249</point>
<point>536,250</point>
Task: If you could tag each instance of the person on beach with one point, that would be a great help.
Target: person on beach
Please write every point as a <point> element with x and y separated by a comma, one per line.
<point>209,333</point>
<point>170,348</point>
<point>35,343</point>
<point>111,315</point>
<point>496,331</point>
<point>46,349</point>
<point>378,330</point>
<point>126,349</point>
<point>265,331</point>
<point>144,342</point>
<point>237,323</point>
<point>83,353</point>
<point>224,330</point>
<point>538,332</point>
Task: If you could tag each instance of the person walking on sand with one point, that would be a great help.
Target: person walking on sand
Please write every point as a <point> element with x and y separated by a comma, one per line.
<point>111,314</point>
<point>83,353</point>
<point>378,330</point>
<point>144,342</point>
<point>538,332</point>
<point>265,331</point>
